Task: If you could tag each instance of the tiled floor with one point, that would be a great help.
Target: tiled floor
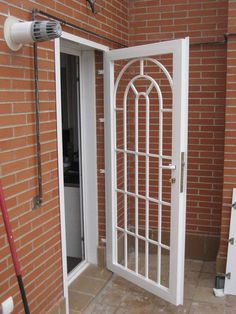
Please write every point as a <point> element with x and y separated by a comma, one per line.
<point>86,287</point>
<point>97,292</point>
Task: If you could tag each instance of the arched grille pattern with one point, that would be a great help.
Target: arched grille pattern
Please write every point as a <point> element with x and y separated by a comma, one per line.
<point>128,200</point>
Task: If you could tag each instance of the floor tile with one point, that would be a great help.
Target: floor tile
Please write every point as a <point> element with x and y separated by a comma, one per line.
<point>189,291</point>
<point>87,285</point>
<point>159,304</point>
<point>97,272</point>
<point>206,308</point>
<point>79,301</point>
<point>230,310</point>
<point>74,312</point>
<point>204,294</point>
<point>125,284</point>
<point>98,308</point>
<point>96,292</point>
<point>207,280</point>
<point>209,267</point>
<point>172,309</point>
<point>193,265</point>
<point>231,301</point>
<point>137,302</point>
<point>192,277</point>
<point>143,296</point>
<point>113,296</point>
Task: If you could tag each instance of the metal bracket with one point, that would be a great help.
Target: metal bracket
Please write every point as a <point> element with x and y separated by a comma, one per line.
<point>101,120</point>
<point>231,241</point>
<point>102,171</point>
<point>234,205</point>
<point>92,6</point>
<point>100,72</point>
<point>227,275</point>
<point>37,202</point>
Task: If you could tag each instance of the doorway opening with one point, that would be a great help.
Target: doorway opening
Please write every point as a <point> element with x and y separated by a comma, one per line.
<point>82,56</point>
<point>72,160</point>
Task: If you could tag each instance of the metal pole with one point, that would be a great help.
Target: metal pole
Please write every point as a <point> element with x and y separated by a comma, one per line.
<point>12,245</point>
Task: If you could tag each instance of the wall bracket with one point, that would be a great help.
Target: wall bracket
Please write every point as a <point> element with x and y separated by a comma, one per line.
<point>92,6</point>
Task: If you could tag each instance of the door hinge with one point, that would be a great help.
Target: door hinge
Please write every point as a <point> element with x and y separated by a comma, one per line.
<point>222,275</point>
<point>228,276</point>
<point>231,241</point>
<point>182,173</point>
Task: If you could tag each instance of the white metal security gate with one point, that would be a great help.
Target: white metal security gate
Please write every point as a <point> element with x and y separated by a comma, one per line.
<point>146,108</point>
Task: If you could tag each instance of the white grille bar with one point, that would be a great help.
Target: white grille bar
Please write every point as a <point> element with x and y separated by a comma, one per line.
<point>136,185</point>
<point>140,237</point>
<point>147,190</point>
<point>151,199</point>
<point>119,150</point>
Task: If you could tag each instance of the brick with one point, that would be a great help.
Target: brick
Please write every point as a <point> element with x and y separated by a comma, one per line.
<point>12,120</point>
<point>5,108</point>
<point>6,133</point>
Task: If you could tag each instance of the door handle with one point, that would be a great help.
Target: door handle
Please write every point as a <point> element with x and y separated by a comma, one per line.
<point>182,173</point>
<point>169,167</point>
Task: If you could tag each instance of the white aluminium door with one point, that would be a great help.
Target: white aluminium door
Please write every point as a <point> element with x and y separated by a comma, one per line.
<point>146,109</point>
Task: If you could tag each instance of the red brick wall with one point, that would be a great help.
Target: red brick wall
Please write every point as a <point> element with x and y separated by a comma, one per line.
<point>230,135</point>
<point>203,21</point>
<point>37,232</point>
<point>100,146</point>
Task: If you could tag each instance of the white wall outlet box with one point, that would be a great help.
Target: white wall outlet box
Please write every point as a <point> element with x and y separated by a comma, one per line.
<point>7,306</point>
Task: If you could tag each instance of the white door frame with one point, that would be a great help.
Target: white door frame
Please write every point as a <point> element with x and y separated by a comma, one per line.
<point>230,279</point>
<point>85,48</point>
<point>180,49</point>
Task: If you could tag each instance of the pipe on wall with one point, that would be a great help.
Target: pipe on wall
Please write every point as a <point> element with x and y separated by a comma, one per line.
<point>38,199</point>
<point>37,12</point>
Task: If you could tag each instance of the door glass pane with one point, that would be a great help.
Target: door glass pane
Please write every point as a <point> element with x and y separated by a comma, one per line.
<point>72,161</point>
<point>165,268</point>
<point>153,260</point>
<point>120,247</point>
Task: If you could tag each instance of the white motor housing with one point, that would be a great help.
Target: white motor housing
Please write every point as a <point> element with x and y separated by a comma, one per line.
<point>18,32</point>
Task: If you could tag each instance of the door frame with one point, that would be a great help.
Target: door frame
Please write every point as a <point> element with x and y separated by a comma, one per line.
<point>180,50</point>
<point>85,49</point>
